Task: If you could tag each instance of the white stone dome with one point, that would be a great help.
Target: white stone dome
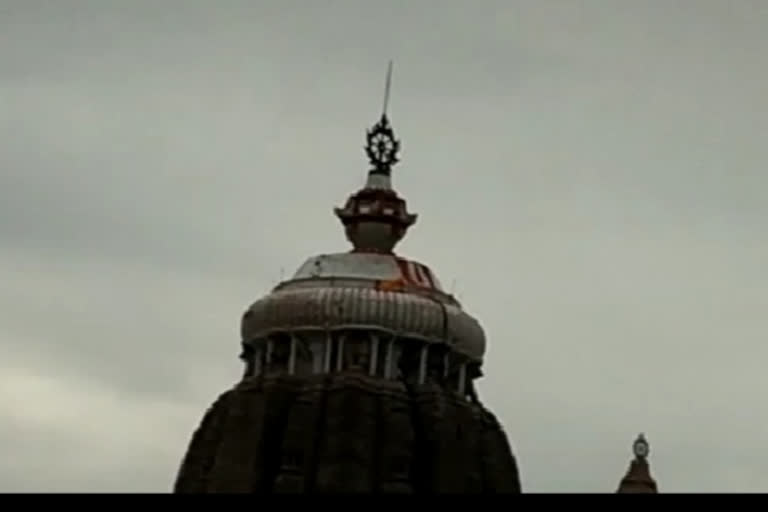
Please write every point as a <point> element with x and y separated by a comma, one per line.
<point>375,292</point>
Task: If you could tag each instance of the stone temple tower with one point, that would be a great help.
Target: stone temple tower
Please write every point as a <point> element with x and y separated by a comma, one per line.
<point>638,479</point>
<point>359,374</point>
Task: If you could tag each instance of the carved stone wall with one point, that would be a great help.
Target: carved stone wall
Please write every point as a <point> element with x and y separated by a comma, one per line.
<point>638,479</point>
<point>346,433</point>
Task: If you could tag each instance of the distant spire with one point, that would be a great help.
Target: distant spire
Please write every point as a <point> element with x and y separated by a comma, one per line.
<point>638,479</point>
<point>640,447</point>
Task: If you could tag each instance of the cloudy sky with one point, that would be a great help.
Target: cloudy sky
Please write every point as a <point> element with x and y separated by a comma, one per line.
<point>590,178</point>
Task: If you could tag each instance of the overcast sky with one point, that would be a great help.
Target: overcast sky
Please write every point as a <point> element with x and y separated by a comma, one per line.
<point>590,178</point>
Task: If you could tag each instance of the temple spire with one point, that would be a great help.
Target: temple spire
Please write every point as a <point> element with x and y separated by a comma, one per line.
<point>381,145</point>
<point>386,90</point>
<point>638,479</point>
<point>375,218</point>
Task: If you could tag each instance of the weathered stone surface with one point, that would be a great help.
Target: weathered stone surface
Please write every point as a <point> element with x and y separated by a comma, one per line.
<point>638,479</point>
<point>346,433</point>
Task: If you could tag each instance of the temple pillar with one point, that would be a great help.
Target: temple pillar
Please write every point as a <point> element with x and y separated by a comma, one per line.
<point>327,353</point>
<point>292,356</point>
<point>374,355</point>
<point>423,364</point>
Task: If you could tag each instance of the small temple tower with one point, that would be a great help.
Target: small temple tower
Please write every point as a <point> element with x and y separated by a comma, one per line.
<point>359,374</point>
<point>638,479</point>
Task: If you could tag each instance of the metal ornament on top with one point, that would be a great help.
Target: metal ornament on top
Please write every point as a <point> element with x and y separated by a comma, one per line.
<point>640,447</point>
<point>382,147</point>
<point>375,218</point>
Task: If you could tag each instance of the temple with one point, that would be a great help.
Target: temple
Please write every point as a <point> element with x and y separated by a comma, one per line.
<point>359,374</point>
<point>638,479</point>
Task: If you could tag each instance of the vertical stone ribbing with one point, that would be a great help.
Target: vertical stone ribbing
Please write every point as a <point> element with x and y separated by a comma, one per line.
<point>500,473</point>
<point>201,453</point>
<point>239,447</point>
<point>345,460</point>
<point>347,433</point>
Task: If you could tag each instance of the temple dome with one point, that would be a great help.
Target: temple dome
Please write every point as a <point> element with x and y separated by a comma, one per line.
<point>367,291</point>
